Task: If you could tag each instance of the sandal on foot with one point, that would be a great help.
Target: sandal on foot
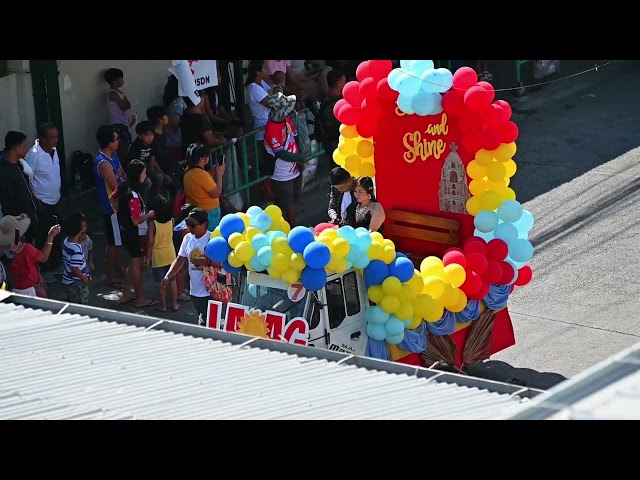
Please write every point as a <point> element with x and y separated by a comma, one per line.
<point>151,303</point>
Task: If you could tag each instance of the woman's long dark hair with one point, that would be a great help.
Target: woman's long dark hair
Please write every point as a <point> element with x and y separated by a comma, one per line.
<point>252,70</point>
<point>367,184</point>
<point>170,90</point>
<point>126,189</point>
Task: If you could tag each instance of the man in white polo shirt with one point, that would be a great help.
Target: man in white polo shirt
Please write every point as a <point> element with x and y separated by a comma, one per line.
<point>45,185</point>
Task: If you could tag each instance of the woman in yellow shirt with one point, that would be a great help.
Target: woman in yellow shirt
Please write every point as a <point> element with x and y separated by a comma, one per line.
<point>203,186</point>
<point>161,252</point>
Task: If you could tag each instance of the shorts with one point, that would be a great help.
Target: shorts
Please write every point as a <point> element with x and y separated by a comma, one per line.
<point>143,245</point>
<point>123,133</point>
<point>160,272</point>
<point>287,193</point>
<point>112,230</point>
<point>78,292</point>
<point>213,218</point>
<point>131,242</point>
<point>31,291</point>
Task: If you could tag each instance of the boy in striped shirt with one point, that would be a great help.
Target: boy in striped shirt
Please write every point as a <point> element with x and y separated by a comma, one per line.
<point>76,276</point>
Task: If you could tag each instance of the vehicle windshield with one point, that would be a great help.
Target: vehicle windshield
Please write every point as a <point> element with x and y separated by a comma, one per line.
<point>255,295</point>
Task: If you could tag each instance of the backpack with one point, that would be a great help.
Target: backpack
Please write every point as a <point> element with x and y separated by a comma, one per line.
<point>82,169</point>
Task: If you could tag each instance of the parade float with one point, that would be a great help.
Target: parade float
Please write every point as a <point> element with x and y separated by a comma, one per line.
<point>439,147</point>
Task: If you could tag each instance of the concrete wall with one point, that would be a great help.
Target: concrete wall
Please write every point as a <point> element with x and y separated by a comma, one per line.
<point>83,95</point>
<point>16,103</point>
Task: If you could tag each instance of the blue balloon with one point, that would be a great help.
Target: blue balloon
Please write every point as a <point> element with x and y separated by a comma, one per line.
<point>258,241</point>
<point>402,268</point>
<point>253,211</point>
<point>394,326</point>
<point>316,255</point>
<point>506,232</point>
<point>229,268</point>
<point>265,255</point>
<point>362,261</point>
<point>217,249</point>
<point>409,84</point>
<point>348,233</point>
<point>313,279</point>
<point>376,272</point>
<point>521,250</point>
<point>229,224</point>
<point>299,238</point>
<point>262,221</point>
<point>404,104</point>
<point>487,237</point>
<point>424,103</point>
<point>273,235</point>
<point>395,76</point>
<point>525,223</point>
<point>363,240</point>
<point>257,265</point>
<point>376,332</point>
<point>510,211</point>
<point>354,253</point>
<point>486,221</point>
<point>436,80</point>
<point>376,315</point>
<point>400,254</point>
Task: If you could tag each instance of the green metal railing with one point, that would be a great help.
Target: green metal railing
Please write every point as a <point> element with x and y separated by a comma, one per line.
<point>519,64</point>
<point>250,156</point>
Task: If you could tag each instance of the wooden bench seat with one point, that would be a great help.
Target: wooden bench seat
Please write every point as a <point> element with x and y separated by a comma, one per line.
<point>417,226</point>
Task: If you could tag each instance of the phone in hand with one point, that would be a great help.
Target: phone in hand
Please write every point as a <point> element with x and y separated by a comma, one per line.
<point>55,220</point>
<point>16,238</point>
<point>221,159</point>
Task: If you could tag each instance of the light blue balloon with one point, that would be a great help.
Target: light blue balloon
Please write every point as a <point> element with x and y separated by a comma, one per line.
<point>273,235</point>
<point>264,256</point>
<point>354,254</point>
<point>487,237</point>
<point>256,264</point>
<point>510,211</point>
<point>423,103</point>
<point>362,261</point>
<point>262,221</point>
<point>486,221</point>
<point>518,265</point>
<point>404,104</point>
<point>258,241</point>
<point>409,84</point>
<point>407,322</point>
<point>406,64</point>
<point>394,78</point>
<point>253,290</point>
<point>348,233</point>
<point>253,211</point>
<point>506,232</point>
<point>437,81</point>
<point>363,240</point>
<point>394,326</point>
<point>395,339</point>
<point>525,222</point>
<point>521,250</point>
<point>349,265</point>
<point>377,315</point>
<point>376,332</point>
<point>419,67</point>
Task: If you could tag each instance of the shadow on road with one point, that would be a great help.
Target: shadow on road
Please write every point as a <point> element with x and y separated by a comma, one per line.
<point>503,372</point>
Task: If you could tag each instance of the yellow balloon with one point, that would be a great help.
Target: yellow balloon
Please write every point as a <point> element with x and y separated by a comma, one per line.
<point>496,171</point>
<point>244,251</point>
<point>251,232</point>
<point>290,276</point>
<point>327,241</point>
<point>449,296</point>
<point>484,157</point>
<point>415,323</point>
<point>504,152</point>
<point>509,194</point>
<point>406,293</point>
<point>279,262</point>
<point>375,251</point>
<point>388,243</point>
<point>432,269</point>
<point>297,262</point>
<point>280,245</point>
<point>375,294</point>
<point>248,266</point>
<point>498,185</point>
<point>364,148</point>
<point>404,312</point>
<point>416,283</point>
<point>460,304</point>
<point>392,286</point>
<point>376,237</point>
<point>352,163</point>
<point>434,313</point>
<point>284,225</point>
<point>234,261</point>
<point>455,274</point>
<point>510,167</point>
<point>340,246</point>
<point>273,273</point>
<point>235,238</point>
<point>475,170</point>
<point>421,305</point>
<point>388,254</point>
<point>340,265</point>
<point>329,233</point>
<point>339,157</point>
<point>490,200</point>
<point>367,170</point>
<point>390,304</point>
<point>473,205</point>
<point>348,131</point>
<point>347,149</point>
<point>433,286</point>
<point>215,233</point>
<point>478,186</point>
<point>244,217</point>
<point>274,212</point>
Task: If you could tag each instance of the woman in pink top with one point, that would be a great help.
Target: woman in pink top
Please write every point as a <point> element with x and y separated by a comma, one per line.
<point>119,104</point>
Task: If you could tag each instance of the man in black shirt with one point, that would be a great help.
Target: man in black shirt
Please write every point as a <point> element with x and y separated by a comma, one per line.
<point>15,193</point>
<point>159,118</point>
<point>195,127</point>
<point>143,148</point>
<point>329,124</point>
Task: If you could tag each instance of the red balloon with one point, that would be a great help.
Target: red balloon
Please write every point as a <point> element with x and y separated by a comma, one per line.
<point>476,99</point>
<point>370,108</point>
<point>363,71</point>
<point>489,89</point>
<point>385,92</point>
<point>453,103</point>
<point>525,274</point>
<point>379,69</point>
<point>493,273</point>
<point>464,78</point>
<point>351,93</point>
<point>472,142</point>
<point>348,114</point>
<point>505,106</point>
<point>471,284</point>
<point>509,132</point>
<point>494,116</point>
<point>477,262</point>
<point>469,122</point>
<point>339,104</point>
<point>367,125</point>
<point>475,244</point>
<point>497,250</point>
<point>490,138</point>
<point>454,256</point>
<point>508,272</point>
<point>481,292</point>
<point>368,88</point>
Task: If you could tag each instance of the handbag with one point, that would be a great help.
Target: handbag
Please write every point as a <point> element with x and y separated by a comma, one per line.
<point>220,292</point>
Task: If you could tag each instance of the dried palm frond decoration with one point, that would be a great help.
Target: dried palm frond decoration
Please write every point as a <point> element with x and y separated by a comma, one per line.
<point>479,339</point>
<point>440,348</point>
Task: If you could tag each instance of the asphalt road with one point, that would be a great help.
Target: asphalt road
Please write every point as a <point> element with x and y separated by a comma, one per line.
<point>578,173</point>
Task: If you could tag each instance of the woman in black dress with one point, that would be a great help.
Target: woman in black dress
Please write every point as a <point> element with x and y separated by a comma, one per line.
<point>366,211</point>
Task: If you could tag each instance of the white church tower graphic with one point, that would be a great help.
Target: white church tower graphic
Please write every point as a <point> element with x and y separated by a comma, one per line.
<point>454,192</point>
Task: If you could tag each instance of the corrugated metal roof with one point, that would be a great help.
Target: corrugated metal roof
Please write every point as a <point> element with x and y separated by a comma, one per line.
<point>90,363</point>
<point>610,390</point>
